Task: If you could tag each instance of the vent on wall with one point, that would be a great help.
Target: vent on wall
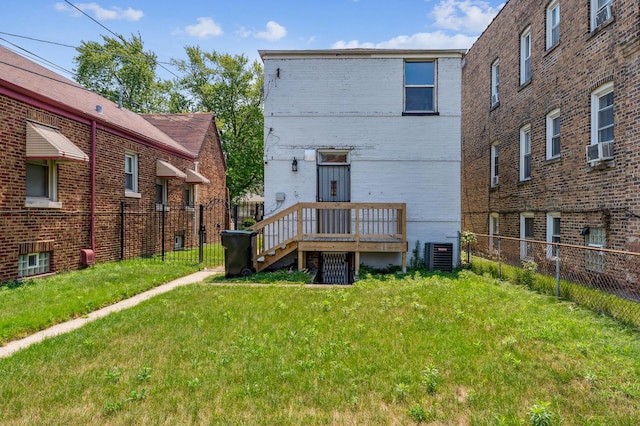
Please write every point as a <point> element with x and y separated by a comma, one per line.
<point>438,256</point>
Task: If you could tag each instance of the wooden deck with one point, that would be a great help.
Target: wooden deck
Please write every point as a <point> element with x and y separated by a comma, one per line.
<point>332,227</point>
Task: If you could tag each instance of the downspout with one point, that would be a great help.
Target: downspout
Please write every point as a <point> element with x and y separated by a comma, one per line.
<point>92,219</point>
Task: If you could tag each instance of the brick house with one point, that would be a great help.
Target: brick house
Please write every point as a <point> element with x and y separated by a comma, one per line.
<point>550,135</point>
<point>362,149</point>
<point>71,158</point>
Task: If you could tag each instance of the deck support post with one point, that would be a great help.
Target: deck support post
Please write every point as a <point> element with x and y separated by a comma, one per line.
<point>301,265</point>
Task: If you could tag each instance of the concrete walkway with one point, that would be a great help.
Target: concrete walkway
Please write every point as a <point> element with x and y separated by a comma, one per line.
<point>65,327</point>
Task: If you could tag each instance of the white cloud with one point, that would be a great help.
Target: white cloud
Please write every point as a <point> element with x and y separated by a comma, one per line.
<point>204,28</point>
<point>101,13</point>
<point>468,16</point>
<point>435,40</point>
<point>274,32</point>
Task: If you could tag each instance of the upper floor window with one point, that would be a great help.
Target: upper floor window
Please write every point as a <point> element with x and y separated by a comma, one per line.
<point>602,125</point>
<point>494,164</point>
<point>525,153</point>
<point>601,12</point>
<point>130,173</point>
<point>553,23</point>
<point>525,56</point>
<point>553,134</point>
<point>495,83</point>
<point>419,87</point>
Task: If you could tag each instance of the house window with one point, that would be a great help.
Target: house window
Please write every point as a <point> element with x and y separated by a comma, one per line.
<point>162,192</point>
<point>602,114</point>
<point>189,195</point>
<point>33,264</point>
<point>553,233</point>
<point>525,153</point>
<point>553,24</point>
<point>419,87</point>
<point>525,56</point>
<point>595,260</point>
<point>601,12</point>
<point>42,184</point>
<point>131,174</point>
<point>526,233</point>
<point>553,134</point>
<point>494,165</point>
<point>494,229</point>
<point>495,83</point>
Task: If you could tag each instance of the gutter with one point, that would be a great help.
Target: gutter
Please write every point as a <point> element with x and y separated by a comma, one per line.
<point>92,214</point>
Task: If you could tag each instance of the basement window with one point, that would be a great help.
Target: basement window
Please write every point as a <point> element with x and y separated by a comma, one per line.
<point>33,264</point>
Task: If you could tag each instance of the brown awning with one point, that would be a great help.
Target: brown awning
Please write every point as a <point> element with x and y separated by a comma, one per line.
<point>168,171</point>
<point>46,143</point>
<point>195,177</point>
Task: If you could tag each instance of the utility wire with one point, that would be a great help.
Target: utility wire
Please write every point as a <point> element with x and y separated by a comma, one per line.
<point>39,57</point>
<point>37,39</point>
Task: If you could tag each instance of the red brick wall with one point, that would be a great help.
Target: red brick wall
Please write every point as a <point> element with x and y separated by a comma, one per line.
<point>211,165</point>
<point>68,228</point>
<point>562,77</point>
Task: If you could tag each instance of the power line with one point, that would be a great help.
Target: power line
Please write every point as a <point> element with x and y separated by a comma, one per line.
<point>39,57</point>
<point>37,39</point>
<point>94,20</point>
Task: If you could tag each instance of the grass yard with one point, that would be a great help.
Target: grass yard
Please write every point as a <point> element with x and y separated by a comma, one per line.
<point>449,350</point>
<point>33,305</point>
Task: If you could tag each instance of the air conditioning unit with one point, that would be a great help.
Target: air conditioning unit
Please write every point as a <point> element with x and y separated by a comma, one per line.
<point>603,14</point>
<point>599,152</point>
<point>495,99</point>
<point>438,256</point>
<point>494,180</point>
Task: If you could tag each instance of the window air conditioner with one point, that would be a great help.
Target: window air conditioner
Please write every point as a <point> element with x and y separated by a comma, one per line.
<point>599,152</point>
<point>603,14</point>
<point>494,180</point>
<point>494,99</point>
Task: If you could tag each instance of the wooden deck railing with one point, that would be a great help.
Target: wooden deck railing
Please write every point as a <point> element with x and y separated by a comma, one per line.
<point>347,225</point>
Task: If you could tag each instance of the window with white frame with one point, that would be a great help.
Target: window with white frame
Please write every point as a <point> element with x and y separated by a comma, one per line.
<point>494,164</point>
<point>495,82</point>
<point>553,233</point>
<point>33,264</point>
<point>419,87</point>
<point>130,173</point>
<point>601,12</point>
<point>553,23</point>
<point>162,192</point>
<point>553,134</point>
<point>525,153</point>
<point>189,195</point>
<point>525,56</point>
<point>595,260</point>
<point>41,179</point>
<point>494,229</point>
<point>602,114</point>
<point>526,233</point>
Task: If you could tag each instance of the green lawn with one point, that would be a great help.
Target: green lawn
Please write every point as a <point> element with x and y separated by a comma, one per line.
<point>449,350</point>
<point>40,303</point>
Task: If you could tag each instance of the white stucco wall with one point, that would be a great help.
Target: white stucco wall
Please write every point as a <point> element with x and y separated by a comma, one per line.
<point>356,103</point>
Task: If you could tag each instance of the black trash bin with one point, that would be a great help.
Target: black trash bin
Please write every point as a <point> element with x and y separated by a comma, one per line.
<point>238,252</point>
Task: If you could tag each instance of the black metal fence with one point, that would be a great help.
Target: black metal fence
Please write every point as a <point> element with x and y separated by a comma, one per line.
<point>606,281</point>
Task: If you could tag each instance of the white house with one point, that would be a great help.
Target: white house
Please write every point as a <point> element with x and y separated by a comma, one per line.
<point>365,127</point>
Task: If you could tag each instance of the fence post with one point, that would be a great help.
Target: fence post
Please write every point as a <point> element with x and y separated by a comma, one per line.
<point>499,258</point>
<point>235,217</point>
<point>558,272</point>
<point>164,210</point>
<point>201,235</point>
<point>122,204</point>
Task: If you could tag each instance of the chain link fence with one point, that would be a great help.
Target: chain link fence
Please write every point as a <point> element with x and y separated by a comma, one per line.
<point>606,281</point>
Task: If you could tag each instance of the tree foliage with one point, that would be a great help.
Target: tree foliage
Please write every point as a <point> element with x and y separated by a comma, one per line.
<point>120,65</point>
<point>230,86</point>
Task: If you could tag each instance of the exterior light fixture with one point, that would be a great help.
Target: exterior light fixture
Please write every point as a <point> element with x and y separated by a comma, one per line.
<point>294,165</point>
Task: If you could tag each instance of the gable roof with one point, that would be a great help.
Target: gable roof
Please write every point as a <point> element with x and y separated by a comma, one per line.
<point>189,130</point>
<point>42,87</point>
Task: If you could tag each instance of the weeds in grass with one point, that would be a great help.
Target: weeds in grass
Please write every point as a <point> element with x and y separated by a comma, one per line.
<point>420,415</point>
<point>540,415</point>
<point>113,375</point>
<point>194,384</point>
<point>402,390</point>
<point>430,377</point>
<point>144,374</point>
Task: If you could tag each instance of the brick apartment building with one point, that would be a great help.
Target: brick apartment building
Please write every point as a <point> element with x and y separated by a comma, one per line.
<point>551,125</point>
<point>70,159</point>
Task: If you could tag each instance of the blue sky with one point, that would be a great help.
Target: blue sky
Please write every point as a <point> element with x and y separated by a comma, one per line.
<point>242,26</point>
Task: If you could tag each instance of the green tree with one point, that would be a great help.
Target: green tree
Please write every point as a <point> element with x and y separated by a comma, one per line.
<point>120,65</point>
<point>230,87</point>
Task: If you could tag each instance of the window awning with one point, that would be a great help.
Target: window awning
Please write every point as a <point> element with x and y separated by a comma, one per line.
<point>195,177</point>
<point>46,143</point>
<point>168,171</point>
